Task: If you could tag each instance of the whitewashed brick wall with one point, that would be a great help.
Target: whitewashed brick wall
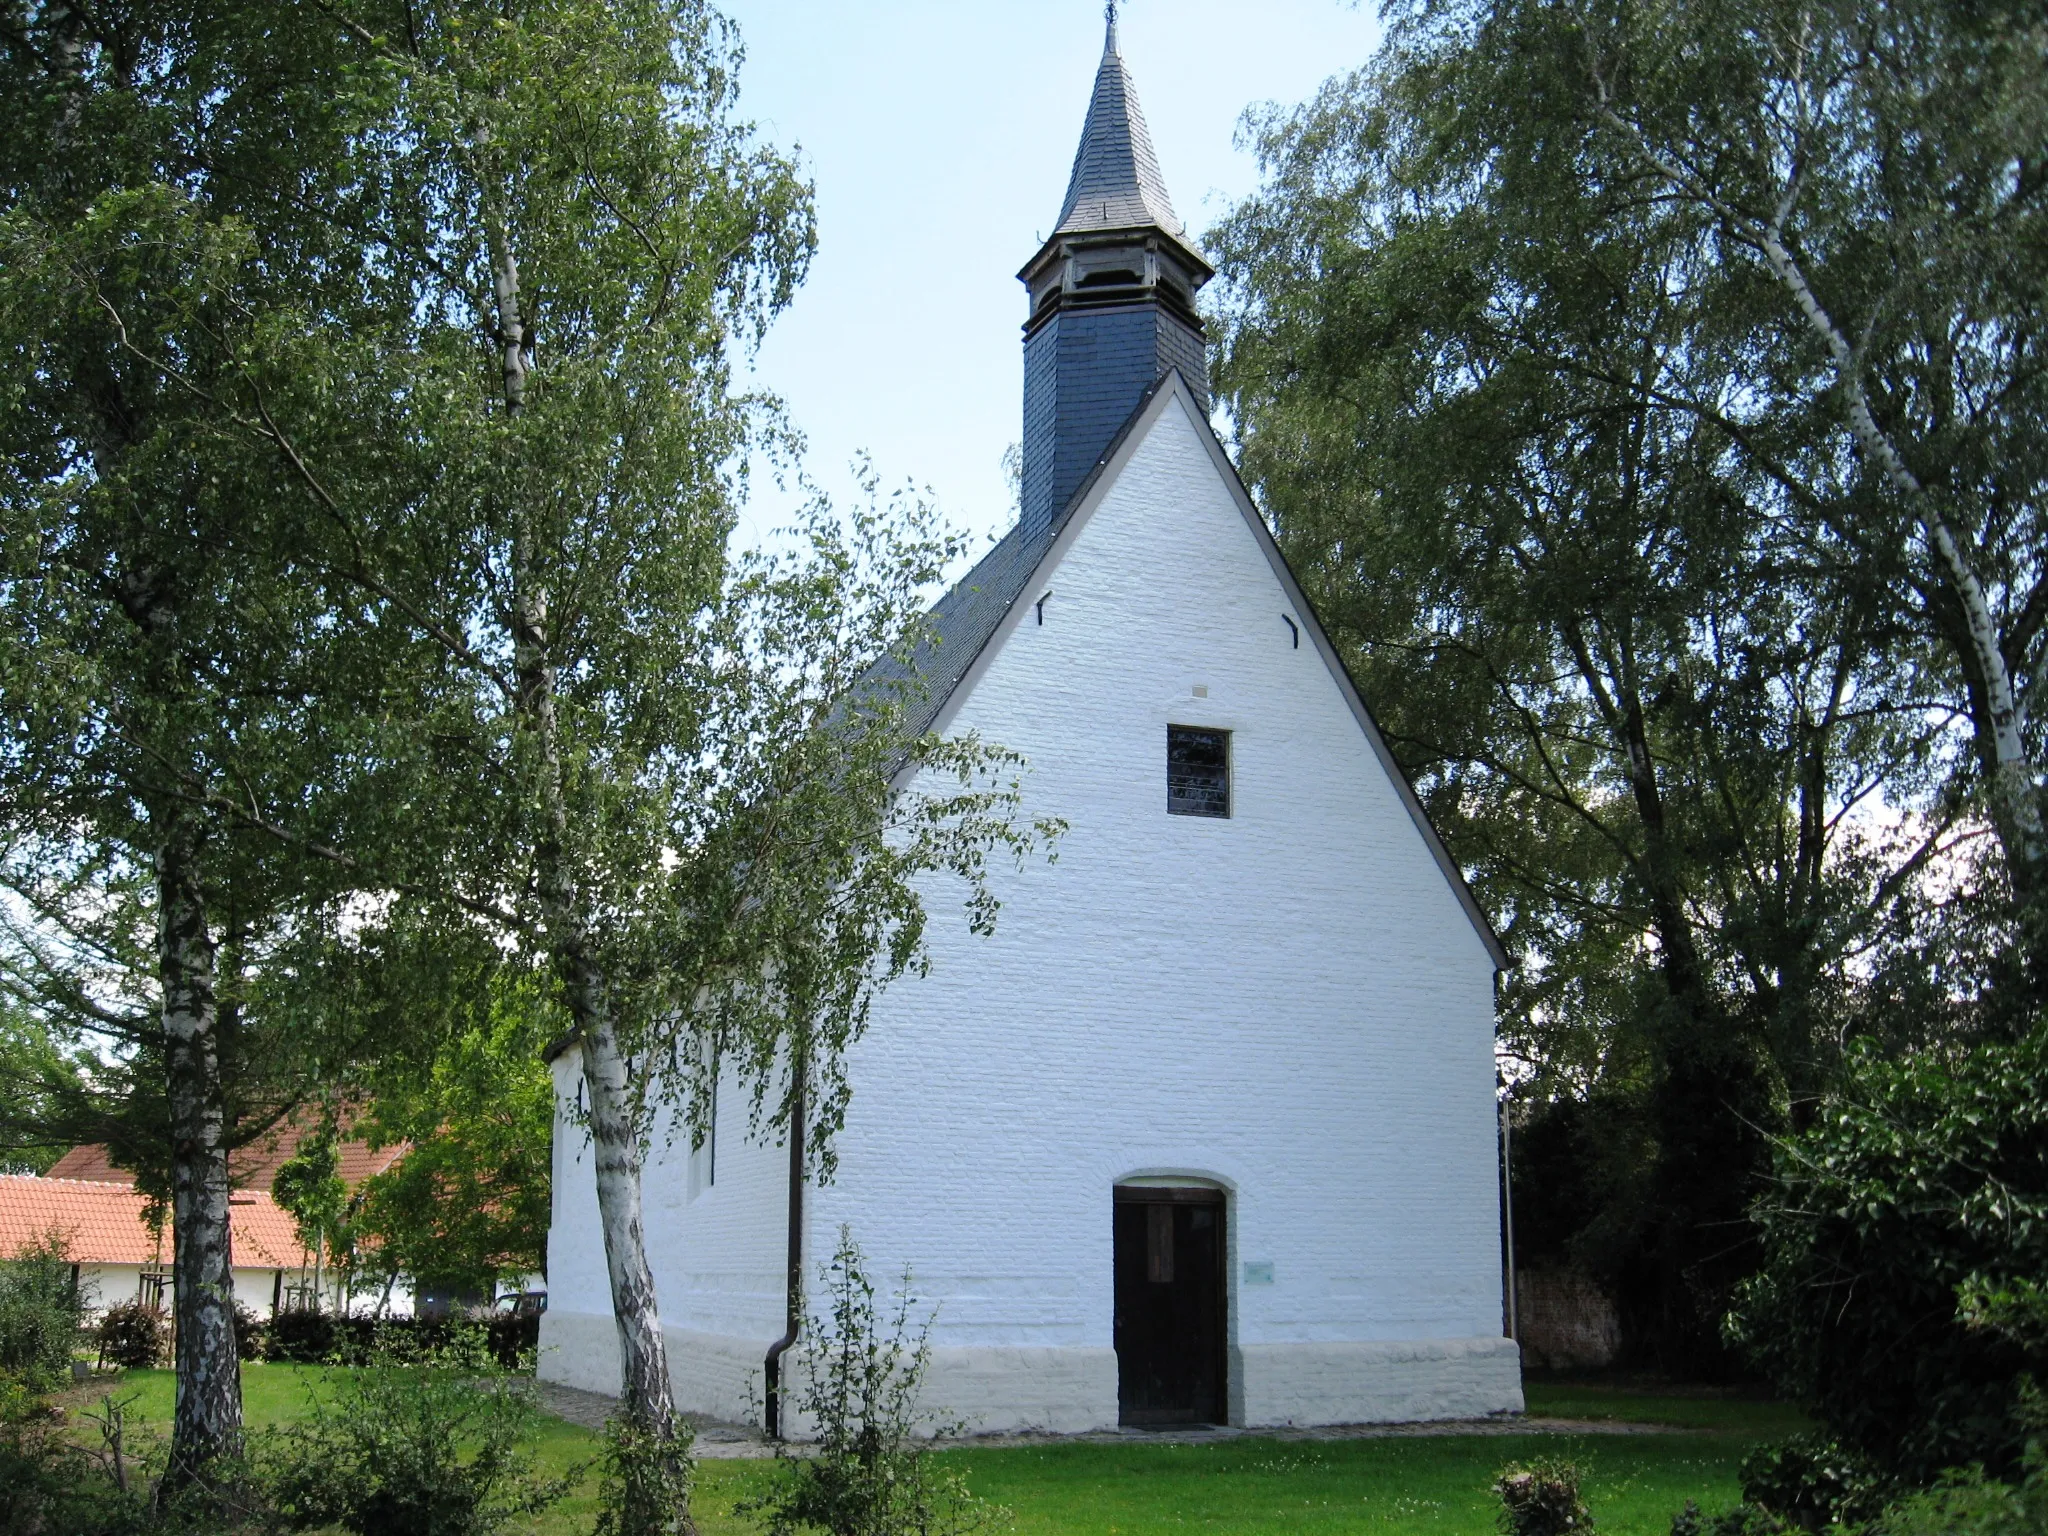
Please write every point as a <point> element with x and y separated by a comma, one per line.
<point>1291,1003</point>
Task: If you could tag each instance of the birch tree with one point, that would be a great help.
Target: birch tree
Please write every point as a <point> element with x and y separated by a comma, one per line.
<point>1884,170</point>
<point>1659,704</point>
<point>165,663</point>
<point>681,787</point>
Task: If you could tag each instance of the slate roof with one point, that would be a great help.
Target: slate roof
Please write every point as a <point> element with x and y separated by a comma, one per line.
<point>102,1223</point>
<point>1115,182</point>
<point>961,623</point>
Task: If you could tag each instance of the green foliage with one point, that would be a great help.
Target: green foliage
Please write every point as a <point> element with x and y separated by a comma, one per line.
<point>1541,1498</point>
<point>43,1076</point>
<point>867,1474</point>
<point>644,1488</point>
<point>1967,1503</point>
<point>432,1444</point>
<point>470,1199</point>
<point>1572,480</point>
<point>40,1315</point>
<point>1907,1219</point>
<point>133,1335</point>
<point>1809,1483</point>
<point>47,1485</point>
<point>300,1336</point>
<point>310,1189</point>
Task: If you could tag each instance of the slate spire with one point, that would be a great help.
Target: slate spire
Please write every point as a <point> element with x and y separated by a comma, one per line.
<point>1112,296</point>
<point>1115,182</point>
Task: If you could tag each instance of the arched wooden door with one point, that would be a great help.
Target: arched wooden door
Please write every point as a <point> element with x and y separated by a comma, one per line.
<point>1171,1305</point>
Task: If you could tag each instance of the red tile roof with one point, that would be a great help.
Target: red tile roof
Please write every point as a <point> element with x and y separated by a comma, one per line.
<point>101,1222</point>
<point>252,1167</point>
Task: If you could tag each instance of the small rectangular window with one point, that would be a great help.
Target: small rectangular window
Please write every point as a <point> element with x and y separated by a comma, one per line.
<point>1197,771</point>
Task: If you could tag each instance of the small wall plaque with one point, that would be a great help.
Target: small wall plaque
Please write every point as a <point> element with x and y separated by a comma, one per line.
<point>1259,1272</point>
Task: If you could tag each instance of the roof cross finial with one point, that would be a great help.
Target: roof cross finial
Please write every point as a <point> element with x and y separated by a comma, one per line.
<point>1109,26</point>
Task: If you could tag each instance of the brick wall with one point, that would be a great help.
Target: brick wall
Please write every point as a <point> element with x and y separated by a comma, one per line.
<point>1567,1322</point>
<point>1289,1003</point>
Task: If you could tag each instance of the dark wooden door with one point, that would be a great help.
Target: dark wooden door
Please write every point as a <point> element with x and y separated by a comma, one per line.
<point>1170,1306</point>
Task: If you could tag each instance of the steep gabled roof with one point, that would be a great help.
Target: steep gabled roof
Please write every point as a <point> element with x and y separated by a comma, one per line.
<point>963,622</point>
<point>1115,183</point>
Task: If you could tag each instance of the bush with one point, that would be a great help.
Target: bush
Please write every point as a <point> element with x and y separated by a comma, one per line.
<point>1541,1498</point>
<point>1901,1239</point>
<point>134,1336</point>
<point>1805,1485</point>
<point>1970,1504</point>
<point>866,1476</point>
<point>39,1315</point>
<point>435,1443</point>
<point>1810,1483</point>
<point>251,1335</point>
<point>317,1338</point>
<point>49,1484</point>
<point>299,1338</point>
<point>645,1489</point>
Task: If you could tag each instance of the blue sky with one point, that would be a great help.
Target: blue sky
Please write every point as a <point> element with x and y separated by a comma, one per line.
<point>939,134</point>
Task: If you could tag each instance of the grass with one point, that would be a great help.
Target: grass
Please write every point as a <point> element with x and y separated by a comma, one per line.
<point>1437,1485</point>
<point>1732,1410</point>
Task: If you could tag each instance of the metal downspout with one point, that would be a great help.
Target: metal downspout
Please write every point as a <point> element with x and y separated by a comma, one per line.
<point>793,1283</point>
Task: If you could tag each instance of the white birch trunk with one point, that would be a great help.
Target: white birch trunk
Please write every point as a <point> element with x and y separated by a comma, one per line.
<point>645,1390</point>
<point>2015,799</point>
<point>207,1420</point>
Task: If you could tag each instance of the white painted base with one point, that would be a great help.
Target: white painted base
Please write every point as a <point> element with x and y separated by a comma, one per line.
<point>994,1390</point>
<point>1068,1391</point>
<point>711,1375</point>
<point>1375,1382</point>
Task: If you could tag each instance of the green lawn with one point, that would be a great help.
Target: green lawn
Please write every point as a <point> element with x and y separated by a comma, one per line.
<point>1410,1486</point>
<point>1705,1408</point>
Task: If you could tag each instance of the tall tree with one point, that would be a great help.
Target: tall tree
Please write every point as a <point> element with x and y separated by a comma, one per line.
<point>1881,172</point>
<point>682,789</point>
<point>1634,694</point>
<point>177,687</point>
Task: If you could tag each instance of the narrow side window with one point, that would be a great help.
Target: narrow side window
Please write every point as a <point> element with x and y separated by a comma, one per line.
<point>1197,771</point>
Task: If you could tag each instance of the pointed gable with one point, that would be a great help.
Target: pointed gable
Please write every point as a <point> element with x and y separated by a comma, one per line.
<point>969,624</point>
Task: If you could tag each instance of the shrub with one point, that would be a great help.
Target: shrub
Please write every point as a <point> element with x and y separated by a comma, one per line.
<point>39,1315</point>
<point>1970,1504</point>
<point>133,1335</point>
<point>1810,1483</point>
<point>299,1338</point>
<point>1807,1484</point>
<point>866,1476</point>
<point>1541,1498</point>
<point>49,1485</point>
<point>436,1446</point>
<point>315,1338</point>
<point>1901,1238</point>
<point>645,1488</point>
<point>251,1336</point>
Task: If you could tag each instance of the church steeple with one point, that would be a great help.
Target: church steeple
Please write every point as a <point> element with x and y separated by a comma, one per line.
<point>1112,296</point>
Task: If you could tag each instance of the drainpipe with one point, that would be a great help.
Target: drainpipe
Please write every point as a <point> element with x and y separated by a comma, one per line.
<point>793,1283</point>
<point>1507,1198</point>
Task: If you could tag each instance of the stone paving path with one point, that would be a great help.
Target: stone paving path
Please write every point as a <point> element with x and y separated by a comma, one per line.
<point>719,1441</point>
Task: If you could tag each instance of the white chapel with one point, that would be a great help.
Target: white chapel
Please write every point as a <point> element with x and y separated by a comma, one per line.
<point>1205,1132</point>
